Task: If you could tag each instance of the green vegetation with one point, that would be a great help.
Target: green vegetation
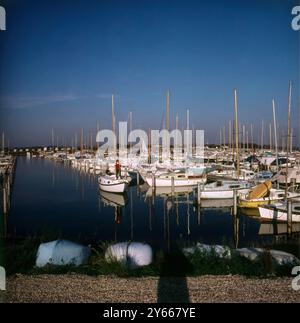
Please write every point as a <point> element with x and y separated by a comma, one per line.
<point>20,258</point>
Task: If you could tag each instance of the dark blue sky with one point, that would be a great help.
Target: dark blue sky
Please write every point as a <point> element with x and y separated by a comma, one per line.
<point>61,60</point>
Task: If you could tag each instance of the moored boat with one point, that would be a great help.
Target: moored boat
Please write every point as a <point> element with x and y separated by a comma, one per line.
<point>224,189</point>
<point>178,178</point>
<point>110,183</point>
<point>278,212</point>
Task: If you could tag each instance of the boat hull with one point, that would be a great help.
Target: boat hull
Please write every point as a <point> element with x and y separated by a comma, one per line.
<point>277,215</point>
<point>167,182</point>
<point>220,194</point>
<point>243,203</point>
<point>113,188</point>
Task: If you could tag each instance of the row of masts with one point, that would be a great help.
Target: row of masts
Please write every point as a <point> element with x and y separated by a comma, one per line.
<point>237,133</point>
<point>246,137</point>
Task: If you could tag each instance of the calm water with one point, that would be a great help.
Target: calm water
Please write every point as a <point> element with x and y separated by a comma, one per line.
<point>51,198</point>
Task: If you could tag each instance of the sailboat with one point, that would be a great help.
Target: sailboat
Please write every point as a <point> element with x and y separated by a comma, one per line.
<point>110,183</point>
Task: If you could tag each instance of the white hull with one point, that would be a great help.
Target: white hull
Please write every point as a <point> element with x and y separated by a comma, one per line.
<point>278,215</point>
<point>167,182</point>
<point>220,194</point>
<point>112,185</point>
<point>167,191</point>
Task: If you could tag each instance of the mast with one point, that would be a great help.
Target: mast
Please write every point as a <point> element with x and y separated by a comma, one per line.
<point>288,137</point>
<point>81,140</point>
<point>113,115</point>
<point>244,137</point>
<point>130,121</point>
<point>98,129</point>
<point>262,135</point>
<point>3,143</point>
<point>52,138</point>
<point>252,142</point>
<point>236,133</point>
<point>292,134</point>
<point>168,111</point>
<point>247,139</point>
<point>275,134</point>
<point>188,127</point>
<point>229,134</point>
<point>270,128</point>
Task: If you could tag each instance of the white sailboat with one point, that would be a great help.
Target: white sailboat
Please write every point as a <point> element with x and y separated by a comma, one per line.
<point>110,183</point>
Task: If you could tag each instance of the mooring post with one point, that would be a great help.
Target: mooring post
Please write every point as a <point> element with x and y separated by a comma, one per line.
<point>4,201</point>
<point>199,193</point>
<point>137,178</point>
<point>293,184</point>
<point>172,185</point>
<point>234,202</point>
<point>289,217</point>
<point>153,184</point>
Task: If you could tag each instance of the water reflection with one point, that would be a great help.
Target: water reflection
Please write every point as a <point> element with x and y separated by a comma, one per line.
<point>54,197</point>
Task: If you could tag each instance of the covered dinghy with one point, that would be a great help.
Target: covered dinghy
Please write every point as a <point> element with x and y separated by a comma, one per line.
<point>62,253</point>
<point>131,254</point>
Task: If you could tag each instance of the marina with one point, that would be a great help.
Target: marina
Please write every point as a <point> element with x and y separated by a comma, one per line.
<point>67,202</point>
<point>149,151</point>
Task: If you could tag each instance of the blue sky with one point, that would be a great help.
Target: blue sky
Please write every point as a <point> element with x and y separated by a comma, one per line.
<point>61,60</point>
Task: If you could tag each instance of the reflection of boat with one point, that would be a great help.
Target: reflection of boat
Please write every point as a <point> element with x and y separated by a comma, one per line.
<point>110,183</point>
<point>167,191</point>
<point>113,199</point>
<point>277,228</point>
<point>252,212</point>
<point>278,212</point>
<point>224,189</point>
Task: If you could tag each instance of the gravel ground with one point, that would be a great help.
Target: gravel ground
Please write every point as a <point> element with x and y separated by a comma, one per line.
<point>81,288</point>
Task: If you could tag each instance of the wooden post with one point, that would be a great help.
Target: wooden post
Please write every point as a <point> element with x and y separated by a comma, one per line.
<point>293,184</point>
<point>234,202</point>
<point>137,178</point>
<point>172,185</point>
<point>4,201</point>
<point>153,185</point>
<point>199,193</point>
